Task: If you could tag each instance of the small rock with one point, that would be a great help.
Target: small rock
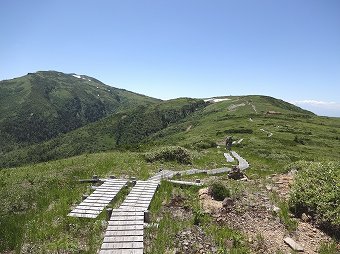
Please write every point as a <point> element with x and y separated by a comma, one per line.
<point>269,187</point>
<point>227,202</point>
<point>294,245</point>
<point>229,243</point>
<point>275,209</point>
<point>305,217</point>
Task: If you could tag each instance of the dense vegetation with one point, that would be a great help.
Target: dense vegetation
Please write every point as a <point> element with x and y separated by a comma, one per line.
<point>316,192</point>
<point>169,153</point>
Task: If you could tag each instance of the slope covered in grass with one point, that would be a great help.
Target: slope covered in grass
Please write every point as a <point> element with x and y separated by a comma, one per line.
<point>41,105</point>
<point>127,129</point>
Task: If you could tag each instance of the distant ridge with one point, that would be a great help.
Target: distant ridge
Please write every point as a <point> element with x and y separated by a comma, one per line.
<point>39,106</point>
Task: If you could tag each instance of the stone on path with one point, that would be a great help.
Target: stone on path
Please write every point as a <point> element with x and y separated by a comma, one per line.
<point>294,245</point>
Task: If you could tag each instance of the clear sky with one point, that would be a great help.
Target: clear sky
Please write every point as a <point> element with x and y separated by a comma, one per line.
<point>288,49</point>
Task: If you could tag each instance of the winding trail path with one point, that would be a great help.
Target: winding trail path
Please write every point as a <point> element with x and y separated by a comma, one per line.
<point>125,231</point>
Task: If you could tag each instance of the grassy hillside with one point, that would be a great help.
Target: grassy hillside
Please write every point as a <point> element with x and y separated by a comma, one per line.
<point>41,105</point>
<point>36,198</point>
<point>117,131</point>
<point>273,139</point>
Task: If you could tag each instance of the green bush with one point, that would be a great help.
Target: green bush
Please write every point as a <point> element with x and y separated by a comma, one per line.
<point>169,153</point>
<point>219,191</point>
<point>316,191</point>
<point>241,130</point>
<point>205,144</point>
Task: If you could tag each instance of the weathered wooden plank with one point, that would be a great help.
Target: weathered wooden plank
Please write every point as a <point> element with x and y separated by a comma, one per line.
<point>127,213</point>
<point>185,183</point>
<point>120,245</point>
<point>121,223</point>
<point>127,218</point>
<point>82,215</point>
<point>125,233</point>
<point>98,199</point>
<point>83,207</point>
<point>218,171</point>
<point>117,239</point>
<point>137,201</point>
<point>112,228</point>
<point>122,251</point>
<point>86,211</point>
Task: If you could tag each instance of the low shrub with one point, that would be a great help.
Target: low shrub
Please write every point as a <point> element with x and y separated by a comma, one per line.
<point>169,153</point>
<point>244,131</point>
<point>205,144</point>
<point>219,191</point>
<point>316,191</point>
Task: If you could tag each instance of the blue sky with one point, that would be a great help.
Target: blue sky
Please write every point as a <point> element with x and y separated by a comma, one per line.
<point>287,49</point>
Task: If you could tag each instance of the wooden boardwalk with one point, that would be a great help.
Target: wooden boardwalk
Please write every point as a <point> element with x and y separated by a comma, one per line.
<point>164,174</point>
<point>125,231</point>
<point>140,196</point>
<point>93,205</point>
<point>242,163</point>
<point>228,157</point>
<point>185,183</point>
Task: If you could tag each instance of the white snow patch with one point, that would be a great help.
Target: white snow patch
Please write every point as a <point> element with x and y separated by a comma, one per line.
<point>76,76</point>
<point>214,100</point>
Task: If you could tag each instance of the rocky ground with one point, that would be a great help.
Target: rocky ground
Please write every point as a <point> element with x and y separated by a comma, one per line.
<point>256,215</point>
<point>254,212</point>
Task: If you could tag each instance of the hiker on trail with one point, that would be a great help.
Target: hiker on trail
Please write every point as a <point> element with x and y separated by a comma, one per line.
<point>228,143</point>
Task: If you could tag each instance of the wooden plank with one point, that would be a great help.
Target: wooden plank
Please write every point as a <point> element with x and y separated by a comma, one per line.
<point>95,203</point>
<point>218,171</point>
<point>122,251</point>
<point>112,228</point>
<point>125,232</point>
<point>131,214</point>
<point>83,215</point>
<point>121,223</point>
<point>118,239</point>
<point>120,245</point>
<point>127,218</point>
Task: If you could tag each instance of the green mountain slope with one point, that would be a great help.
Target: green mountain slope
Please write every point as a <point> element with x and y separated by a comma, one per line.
<point>119,130</point>
<point>273,132</point>
<point>37,198</point>
<point>41,105</point>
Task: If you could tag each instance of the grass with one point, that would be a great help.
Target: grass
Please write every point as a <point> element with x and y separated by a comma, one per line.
<point>316,192</point>
<point>36,198</point>
<point>328,248</point>
<point>164,237</point>
<point>284,213</point>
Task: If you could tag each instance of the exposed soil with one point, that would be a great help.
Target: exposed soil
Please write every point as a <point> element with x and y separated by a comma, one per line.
<point>253,214</point>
